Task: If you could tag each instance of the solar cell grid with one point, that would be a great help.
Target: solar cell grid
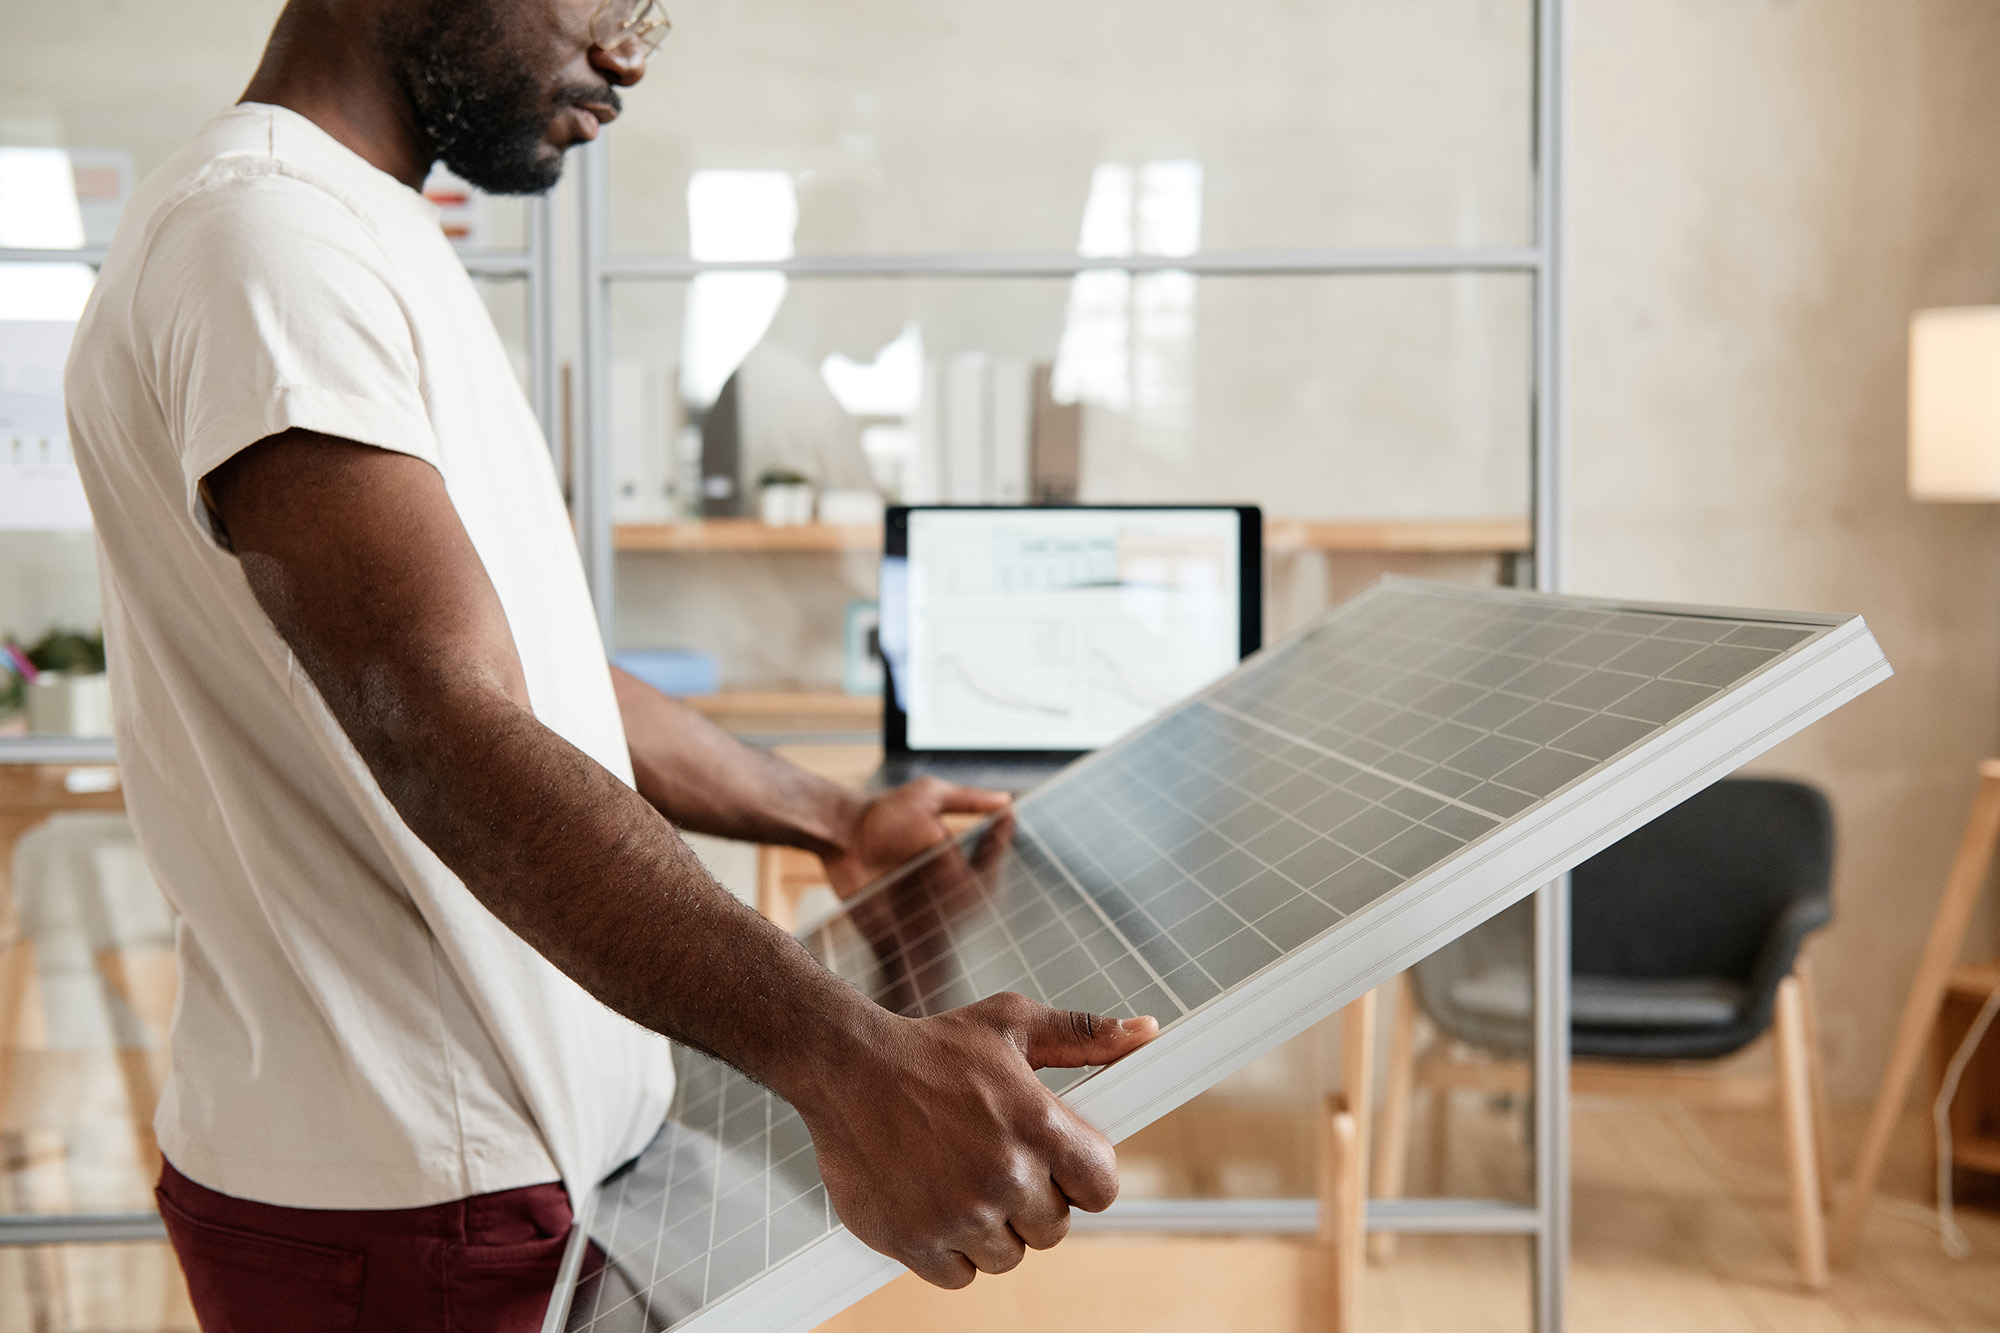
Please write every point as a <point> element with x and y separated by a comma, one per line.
<point>1175,867</point>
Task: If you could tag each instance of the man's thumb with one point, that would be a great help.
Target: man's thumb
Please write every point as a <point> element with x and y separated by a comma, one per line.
<point>1065,1039</point>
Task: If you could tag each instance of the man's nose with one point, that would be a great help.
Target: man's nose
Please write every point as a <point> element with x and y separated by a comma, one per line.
<point>623,64</point>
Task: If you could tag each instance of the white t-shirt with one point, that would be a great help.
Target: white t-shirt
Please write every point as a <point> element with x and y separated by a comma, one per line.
<point>354,1029</point>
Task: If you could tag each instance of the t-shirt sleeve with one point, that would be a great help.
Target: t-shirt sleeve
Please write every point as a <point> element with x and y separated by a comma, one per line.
<point>266,305</point>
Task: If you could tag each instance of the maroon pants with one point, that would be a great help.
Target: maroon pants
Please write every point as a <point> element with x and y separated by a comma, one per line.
<point>487,1263</point>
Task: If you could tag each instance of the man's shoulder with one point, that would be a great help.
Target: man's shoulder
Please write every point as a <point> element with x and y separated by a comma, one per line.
<point>249,177</point>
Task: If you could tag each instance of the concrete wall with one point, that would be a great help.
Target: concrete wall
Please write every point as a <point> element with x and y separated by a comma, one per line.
<point>1763,191</point>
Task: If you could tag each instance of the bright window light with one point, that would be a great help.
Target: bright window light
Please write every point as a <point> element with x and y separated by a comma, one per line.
<point>892,385</point>
<point>1168,209</point>
<point>1107,213</point>
<point>733,217</point>
<point>1128,339</point>
<point>45,291</point>
<point>38,208</point>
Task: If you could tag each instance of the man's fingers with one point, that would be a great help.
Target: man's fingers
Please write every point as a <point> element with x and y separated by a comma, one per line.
<point>1066,1039</point>
<point>949,1269</point>
<point>1042,1221</point>
<point>994,1249</point>
<point>948,798</point>
<point>1086,1168</point>
<point>994,842</point>
<point>956,800</point>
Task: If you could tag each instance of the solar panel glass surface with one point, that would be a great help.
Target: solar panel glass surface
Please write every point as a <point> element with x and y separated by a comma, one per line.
<point>1329,774</point>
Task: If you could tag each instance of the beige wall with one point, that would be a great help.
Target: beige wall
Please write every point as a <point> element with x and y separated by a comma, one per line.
<point>1762,192</point>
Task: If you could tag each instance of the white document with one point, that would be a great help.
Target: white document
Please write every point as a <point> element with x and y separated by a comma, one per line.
<point>39,487</point>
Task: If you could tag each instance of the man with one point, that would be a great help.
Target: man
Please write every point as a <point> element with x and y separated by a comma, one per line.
<point>371,747</point>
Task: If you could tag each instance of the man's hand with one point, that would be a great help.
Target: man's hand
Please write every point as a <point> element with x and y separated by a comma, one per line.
<point>897,825</point>
<point>941,1149</point>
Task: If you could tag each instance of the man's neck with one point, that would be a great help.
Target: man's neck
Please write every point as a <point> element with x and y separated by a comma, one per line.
<point>325,68</point>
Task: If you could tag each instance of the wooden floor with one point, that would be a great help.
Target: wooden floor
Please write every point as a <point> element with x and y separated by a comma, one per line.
<point>1680,1224</point>
<point>1679,1221</point>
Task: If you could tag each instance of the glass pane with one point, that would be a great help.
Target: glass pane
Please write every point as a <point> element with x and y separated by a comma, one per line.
<point>1356,398</point>
<point>186,63</point>
<point>1372,399</point>
<point>507,301</point>
<point>1046,126</point>
<point>86,994</point>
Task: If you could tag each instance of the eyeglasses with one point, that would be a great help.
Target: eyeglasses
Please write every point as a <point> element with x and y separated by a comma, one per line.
<point>620,21</point>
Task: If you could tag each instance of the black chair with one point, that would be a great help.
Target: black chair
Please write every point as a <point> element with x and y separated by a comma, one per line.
<point>1685,946</point>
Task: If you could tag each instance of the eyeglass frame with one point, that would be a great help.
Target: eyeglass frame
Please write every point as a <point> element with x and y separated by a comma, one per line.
<point>647,24</point>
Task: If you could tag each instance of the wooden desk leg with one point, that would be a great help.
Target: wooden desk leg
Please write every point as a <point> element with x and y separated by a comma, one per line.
<point>1344,1160</point>
<point>1392,1147</point>
<point>771,898</point>
<point>1340,1204</point>
<point>1954,915</point>
<point>1357,1067</point>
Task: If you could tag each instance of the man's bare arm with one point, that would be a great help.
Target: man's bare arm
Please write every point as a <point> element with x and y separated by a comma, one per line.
<point>706,781</point>
<point>938,1145</point>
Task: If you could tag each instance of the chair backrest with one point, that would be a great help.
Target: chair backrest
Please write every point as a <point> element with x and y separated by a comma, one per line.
<point>1696,892</point>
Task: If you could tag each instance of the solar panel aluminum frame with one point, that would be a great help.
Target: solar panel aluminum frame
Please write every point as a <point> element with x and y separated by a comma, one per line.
<point>1794,689</point>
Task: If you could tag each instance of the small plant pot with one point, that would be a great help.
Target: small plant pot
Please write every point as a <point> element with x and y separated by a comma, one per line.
<point>63,705</point>
<point>785,504</point>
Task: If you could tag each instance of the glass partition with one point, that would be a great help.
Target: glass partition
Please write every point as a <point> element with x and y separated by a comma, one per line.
<point>1006,196</point>
<point>926,128</point>
<point>1326,400</point>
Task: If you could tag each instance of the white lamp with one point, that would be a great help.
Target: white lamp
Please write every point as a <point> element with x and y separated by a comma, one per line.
<point>1955,405</point>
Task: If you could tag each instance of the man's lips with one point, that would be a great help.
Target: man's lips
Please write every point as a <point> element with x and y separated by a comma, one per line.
<point>585,120</point>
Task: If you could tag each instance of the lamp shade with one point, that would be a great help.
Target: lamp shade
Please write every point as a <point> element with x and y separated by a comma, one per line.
<point>1955,404</point>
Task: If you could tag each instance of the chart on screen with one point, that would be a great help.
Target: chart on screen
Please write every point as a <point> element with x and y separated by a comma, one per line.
<point>1062,631</point>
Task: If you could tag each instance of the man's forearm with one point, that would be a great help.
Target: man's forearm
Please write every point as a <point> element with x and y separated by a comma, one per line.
<point>707,781</point>
<point>594,878</point>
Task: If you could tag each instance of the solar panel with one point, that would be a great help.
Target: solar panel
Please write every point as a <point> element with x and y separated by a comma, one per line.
<point>1343,804</point>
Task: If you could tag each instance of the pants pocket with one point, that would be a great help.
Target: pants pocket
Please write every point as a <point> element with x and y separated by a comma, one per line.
<point>250,1282</point>
<point>501,1288</point>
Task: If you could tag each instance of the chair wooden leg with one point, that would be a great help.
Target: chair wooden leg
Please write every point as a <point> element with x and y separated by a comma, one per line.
<point>1801,1157</point>
<point>1816,1080</point>
<point>1392,1149</point>
<point>1437,1132</point>
<point>1341,1204</point>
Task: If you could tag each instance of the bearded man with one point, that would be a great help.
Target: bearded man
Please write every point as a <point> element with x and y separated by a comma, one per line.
<point>436,920</point>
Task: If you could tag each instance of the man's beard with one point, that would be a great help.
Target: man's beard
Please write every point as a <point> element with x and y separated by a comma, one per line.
<point>470,69</point>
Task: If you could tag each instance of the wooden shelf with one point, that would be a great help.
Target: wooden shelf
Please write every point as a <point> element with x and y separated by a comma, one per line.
<point>1282,537</point>
<point>790,711</point>
<point>1473,536</point>
<point>744,534</point>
